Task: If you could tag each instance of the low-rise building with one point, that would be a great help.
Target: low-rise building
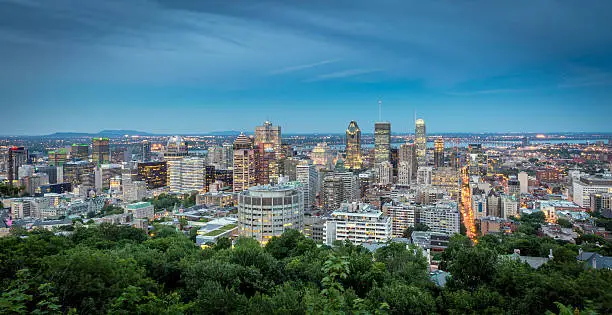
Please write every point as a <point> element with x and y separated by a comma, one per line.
<point>357,222</point>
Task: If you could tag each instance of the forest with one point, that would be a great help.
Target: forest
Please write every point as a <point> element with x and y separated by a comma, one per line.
<point>110,269</point>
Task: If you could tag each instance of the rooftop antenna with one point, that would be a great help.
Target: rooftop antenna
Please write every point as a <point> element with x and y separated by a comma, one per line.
<point>379,109</point>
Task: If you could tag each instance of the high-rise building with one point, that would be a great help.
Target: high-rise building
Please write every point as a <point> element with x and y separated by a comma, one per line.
<point>307,174</point>
<point>477,160</point>
<point>587,185</point>
<point>187,174</point>
<point>385,173</point>
<point>382,142</point>
<point>424,175</point>
<point>245,163</point>
<point>79,152</point>
<point>17,156</point>
<point>176,149</point>
<point>268,211</point>
<point>74,172</point>
<point>58,157</point>
<point>441,217</point>
<point>146,151</point>
<point>402,215</point>
<point>100,151</point>
<point>404,173</point>
<point>438,152</point>
<point>339,187</point>
<point>407,153</point>
<point>154,174</point>
<point>322,156</point>
<point>358,223</point>
<point>421,142</point>
<point>227,155</point>
<point>523,179</point>
<point>353,146</point>
<point>269,137</point>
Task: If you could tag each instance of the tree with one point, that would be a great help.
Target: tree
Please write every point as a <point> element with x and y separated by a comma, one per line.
<point>564,223</point>
<point>417,227</point>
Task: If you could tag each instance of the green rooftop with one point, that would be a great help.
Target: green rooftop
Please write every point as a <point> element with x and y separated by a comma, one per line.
<point>221,230</point>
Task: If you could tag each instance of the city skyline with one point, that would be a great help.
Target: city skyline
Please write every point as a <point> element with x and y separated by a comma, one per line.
<point>184,67</point>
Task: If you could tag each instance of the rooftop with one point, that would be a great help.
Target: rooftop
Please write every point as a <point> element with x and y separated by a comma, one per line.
<point>139,205</point>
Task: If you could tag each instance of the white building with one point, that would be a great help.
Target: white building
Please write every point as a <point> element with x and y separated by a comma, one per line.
<point>424,175</point>
<point>134,191</point>
<point>441,217</point>
<point>404,173</point>
<point>479,206</point>
<point>587,185</point>
<point>523,179</point>
<point>268,211</point>
<point>385,173</point>
<point>187,174</point>
<point>509,206</point>
<point>307,175</point>
<point>359,223</point>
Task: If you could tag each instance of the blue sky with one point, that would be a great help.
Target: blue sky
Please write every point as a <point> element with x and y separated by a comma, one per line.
<point>178,66</point>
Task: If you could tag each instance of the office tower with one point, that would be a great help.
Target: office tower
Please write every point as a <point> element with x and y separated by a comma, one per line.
<point>269,137</point>
<point>494,204</point>
<point>353,146</point>
<point>523,179</point>
<point>100,151</point>
<point>134,191</point>
<point>404,173</point>
<point>322,156</point>
<point>424,175</point>
<point>224,177</point>
<point>382,142</point>
<point>448,179</point>
<point>268,169</point>
<point>154,174</point>
<point>289,167</point>
<point>479,205</point>
<point>509,206</point>
<point>385,173</point>
<point>600,201</point>
<point>268,211</point>
<point>58,157</point>
<point>307,174</point>
<point>25,170</point>
<point>227,155</point>
<point>51,172</point>
<point>407,153</point>
<point>73,172</point>
<point>176,149</point>
<point>421,142</point>
<point>477,160</point>
<point>358,223</point>
<point>514,187</point>
<point>525,141</point>
<point>17,156</point>
<point>215,156</point>
<point>79,152</point>
<point>439,153</point>
<point>187,175</point>
<point>146,151</point>
<point>245,162</point>
<point>33,182</point>
<point>454,160</point>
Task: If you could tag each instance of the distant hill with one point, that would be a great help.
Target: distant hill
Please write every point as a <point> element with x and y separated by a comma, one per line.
<point>103,133</point>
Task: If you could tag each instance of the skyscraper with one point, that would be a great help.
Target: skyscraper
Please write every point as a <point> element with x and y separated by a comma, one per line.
<point>307,174</point>
<point>58,157</point>
<point>421,142</point>
<point>100,151</point>
<point>382,142</point>
<point>154,174</point>
<point>146,151</point>
<point>187,174</point>
<point>245,163</point>
<point>439,152</point>
<point>17,156</point>
<point>353,146</point>
<point>176,149</point>
<point>407,153</point>
<point>322,156</point>
<point>269,136</point>
<point>79,152</point>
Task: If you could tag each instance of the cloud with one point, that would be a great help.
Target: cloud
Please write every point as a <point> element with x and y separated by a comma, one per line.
<point>342,74</point>
<point>303,67</point>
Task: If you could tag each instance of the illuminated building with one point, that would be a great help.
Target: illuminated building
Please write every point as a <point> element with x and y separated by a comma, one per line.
<point>403,216</point>
<point>187,175</point>
<point>382,142</point>
<point>17,156</point>
<point>600,202</point>
<point>424,175</point>
<point>509,206</point>
<point>245,163</point>
<point>321,155</point>
<point>358,223</point>
<point>548,175</point>
<point>407,153</point>
<point>421,142</point>
<point>154,174</point>
<point>477,160</point>
<point>79,152</point>
<point>439,152</point>
<point>448,179</point>
<point>267,171</point>
<point>176,149</point>
<point>307,175</point>
<point>74,172</point>
<point>442,217</point>
<point>269,137</point>
<point>339,187</point>
<point>514,187</point>
<point>587,185</point>
<point>100,151</point>
<point>523,179</point>
<point>268,211</point>
<point>353,147</point>
<point>146,151</point>
<point>58,157</point>
<point>224,176</point>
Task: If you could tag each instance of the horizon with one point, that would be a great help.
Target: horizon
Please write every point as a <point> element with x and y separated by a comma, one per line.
<point>188,67</point>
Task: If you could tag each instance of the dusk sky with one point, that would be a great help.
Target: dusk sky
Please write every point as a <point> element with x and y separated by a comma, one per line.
<point>179,66</point>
